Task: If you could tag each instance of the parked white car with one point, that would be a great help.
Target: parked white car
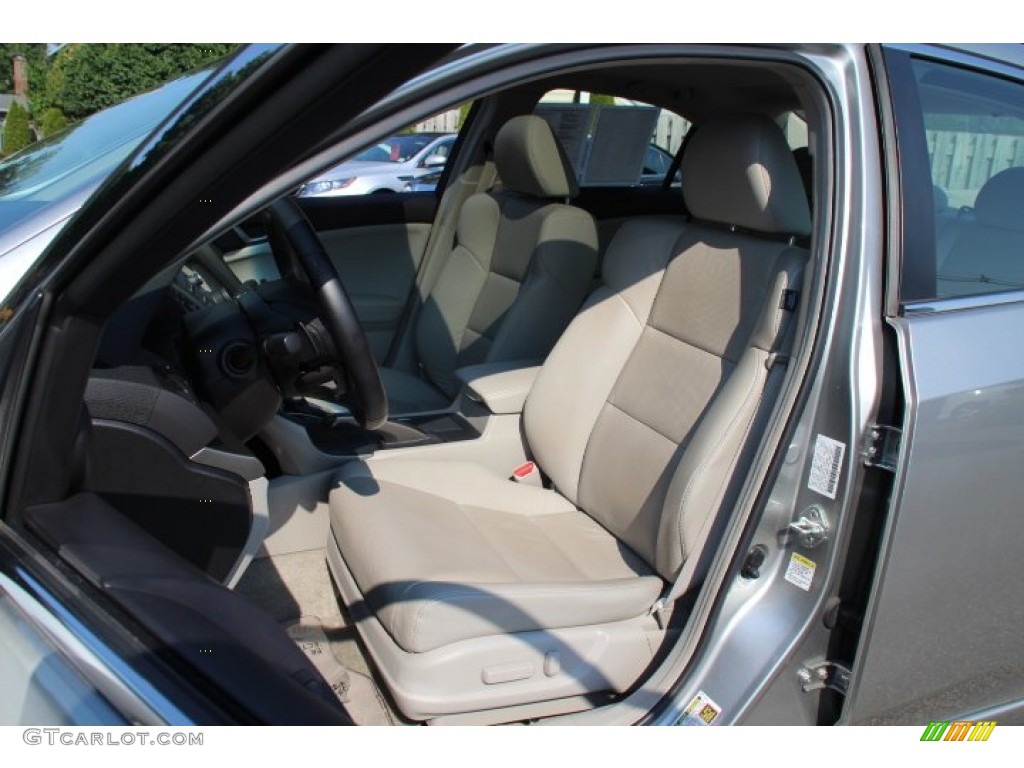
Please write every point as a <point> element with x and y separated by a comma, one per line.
<point>387,166</point>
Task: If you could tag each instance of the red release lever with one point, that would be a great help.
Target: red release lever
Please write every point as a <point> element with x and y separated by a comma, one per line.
<point>524,470</point>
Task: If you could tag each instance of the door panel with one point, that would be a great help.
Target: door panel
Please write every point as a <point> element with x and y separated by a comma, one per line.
<point>375,242</point>
<point>377,265</point>
<point>944,633</point>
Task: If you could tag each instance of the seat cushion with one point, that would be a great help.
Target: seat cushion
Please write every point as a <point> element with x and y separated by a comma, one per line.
<point>446,551</point>
<point>409,394</point>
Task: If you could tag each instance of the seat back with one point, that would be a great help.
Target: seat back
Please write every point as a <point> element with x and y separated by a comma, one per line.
<point>987,254</point>
<point>522,264</point>
<point>643,408</point>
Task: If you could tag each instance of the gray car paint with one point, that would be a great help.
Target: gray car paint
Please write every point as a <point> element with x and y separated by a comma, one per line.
<point>943,641</point>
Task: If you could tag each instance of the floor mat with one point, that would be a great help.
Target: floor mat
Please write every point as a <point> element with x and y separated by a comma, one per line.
<point>329,646</point>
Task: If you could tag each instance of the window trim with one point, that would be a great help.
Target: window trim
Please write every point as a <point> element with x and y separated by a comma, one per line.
<point>918,271</point>
<point>913,199</point>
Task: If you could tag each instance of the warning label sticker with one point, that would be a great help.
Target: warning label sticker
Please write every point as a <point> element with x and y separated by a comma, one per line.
<point>800,571</point>
<point>700,711</point>
<point>826,466</point>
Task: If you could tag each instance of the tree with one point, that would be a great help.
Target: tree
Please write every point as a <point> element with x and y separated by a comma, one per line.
<point>52,121</point>
<point>17,134</point>
<point>85,78</point>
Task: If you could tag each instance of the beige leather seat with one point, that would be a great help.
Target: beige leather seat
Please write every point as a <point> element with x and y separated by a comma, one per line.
<point>522,265</point>
<point>474,592</point>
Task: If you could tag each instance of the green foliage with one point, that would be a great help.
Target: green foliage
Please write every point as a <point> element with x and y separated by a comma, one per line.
<point>48,96</point>
<point>463,114</point>
<point>85,78</point>
<point>52,121</point>
<point>17,134</point>
<point>602,98</point>
<point>34,52</point>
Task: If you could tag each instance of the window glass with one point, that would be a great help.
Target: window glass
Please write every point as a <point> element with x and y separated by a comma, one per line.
<point>409,161</point>
<point>612,141</point>
<point>974,132</point>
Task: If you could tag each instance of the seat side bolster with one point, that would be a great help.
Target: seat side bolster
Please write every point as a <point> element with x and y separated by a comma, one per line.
<point>723,440</point>
<point>700,482</point>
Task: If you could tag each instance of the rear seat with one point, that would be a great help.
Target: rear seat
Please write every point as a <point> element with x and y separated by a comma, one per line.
<point>986,253</point>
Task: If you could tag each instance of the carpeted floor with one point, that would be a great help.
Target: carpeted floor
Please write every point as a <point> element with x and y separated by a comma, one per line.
<point>296,590</point>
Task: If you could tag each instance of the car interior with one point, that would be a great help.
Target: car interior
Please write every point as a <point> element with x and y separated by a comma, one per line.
<point>461,456</point>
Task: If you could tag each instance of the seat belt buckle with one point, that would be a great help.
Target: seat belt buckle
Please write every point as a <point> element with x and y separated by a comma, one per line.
<point>658,612</point>
<point>527,474</point>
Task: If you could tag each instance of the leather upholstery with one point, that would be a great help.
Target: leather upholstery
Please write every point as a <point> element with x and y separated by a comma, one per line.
<point>734,173</point>
<point>520,268</point>
<point>447,551</point>
<point>530,160</point>
<point>502,387</point>
<point>639,417</point>
<point>673,341</point>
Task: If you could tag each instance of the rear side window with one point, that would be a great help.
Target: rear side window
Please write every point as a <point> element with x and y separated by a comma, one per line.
<point>973,132</point>
<point>612,141</point>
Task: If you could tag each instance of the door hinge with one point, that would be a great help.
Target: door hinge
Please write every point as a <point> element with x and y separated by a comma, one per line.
<point>817,675</point>
<point>882,447</point>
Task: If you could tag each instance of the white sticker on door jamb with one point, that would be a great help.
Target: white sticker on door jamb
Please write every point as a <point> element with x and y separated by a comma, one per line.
<point>826,466</point>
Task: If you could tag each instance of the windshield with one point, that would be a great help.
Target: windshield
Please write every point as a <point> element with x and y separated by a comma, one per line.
<point>84,154</point>
<point>397,149</point>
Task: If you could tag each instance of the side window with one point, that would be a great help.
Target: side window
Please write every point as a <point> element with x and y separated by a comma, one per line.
<point>974,135</point>
<point>613,141</point>
<point>794,126</point>
<point>411,160</point>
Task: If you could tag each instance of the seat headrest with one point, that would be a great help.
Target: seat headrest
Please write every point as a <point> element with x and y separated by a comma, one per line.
<point>1000,202</point>
<point>740,172</point>
<point>530,161</point>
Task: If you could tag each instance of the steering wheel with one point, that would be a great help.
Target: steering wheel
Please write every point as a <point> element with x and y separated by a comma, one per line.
<point>294,241</point>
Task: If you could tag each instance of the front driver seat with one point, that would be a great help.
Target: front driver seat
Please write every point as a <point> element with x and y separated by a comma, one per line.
<point>522,264</point>
<point>476,593</point>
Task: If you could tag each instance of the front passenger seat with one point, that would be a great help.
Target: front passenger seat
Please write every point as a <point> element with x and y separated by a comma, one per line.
<point>522,264</point>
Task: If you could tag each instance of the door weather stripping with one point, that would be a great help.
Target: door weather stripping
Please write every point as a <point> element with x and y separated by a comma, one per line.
<point>812,528</point>
<point>882,447</point>
<point>824,674</point>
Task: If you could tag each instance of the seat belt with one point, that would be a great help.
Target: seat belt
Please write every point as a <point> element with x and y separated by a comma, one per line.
<point>777,361</point>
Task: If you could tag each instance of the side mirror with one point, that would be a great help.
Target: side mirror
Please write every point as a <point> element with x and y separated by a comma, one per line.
<point>435,161</point>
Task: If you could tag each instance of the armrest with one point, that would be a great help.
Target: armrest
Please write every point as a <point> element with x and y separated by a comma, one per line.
<point>502,387</point>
